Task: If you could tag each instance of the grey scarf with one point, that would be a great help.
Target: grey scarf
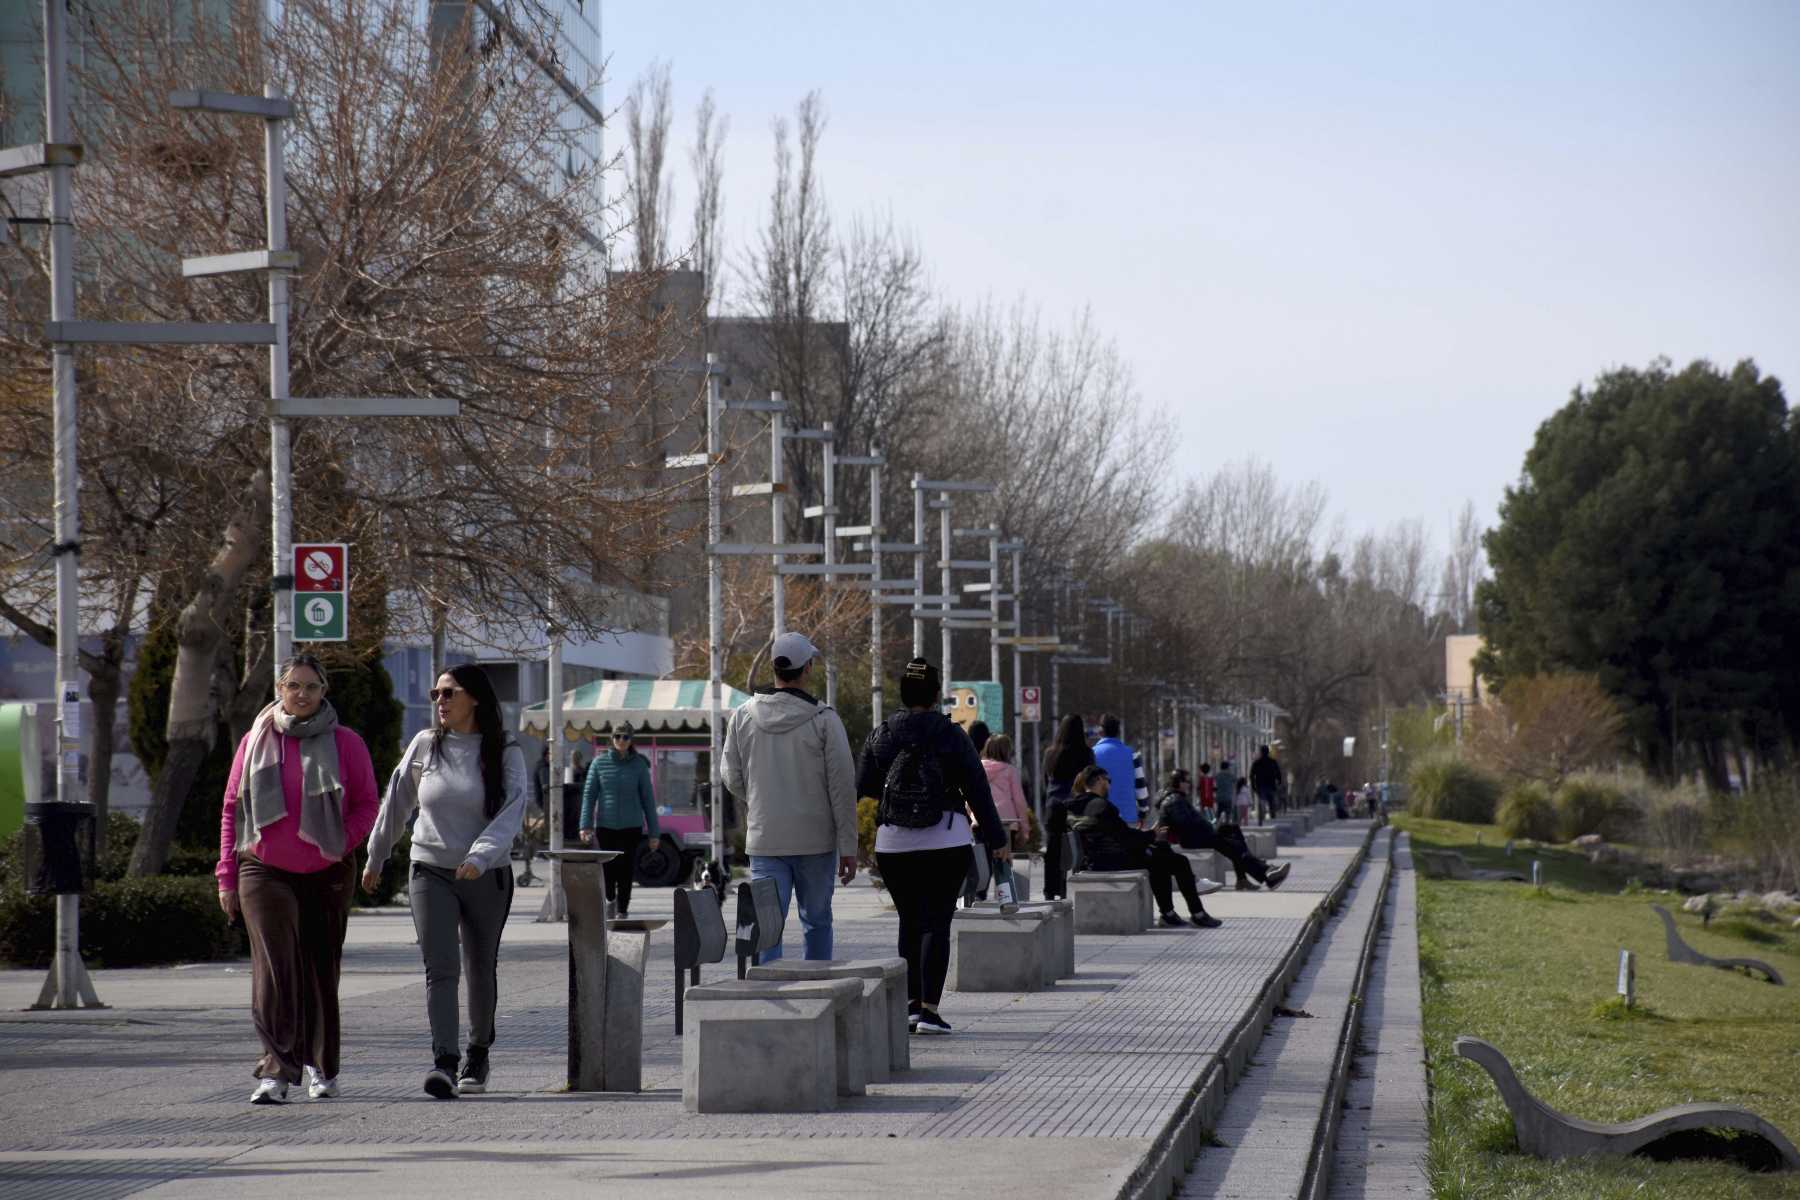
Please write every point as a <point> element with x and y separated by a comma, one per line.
<point>321,789</point>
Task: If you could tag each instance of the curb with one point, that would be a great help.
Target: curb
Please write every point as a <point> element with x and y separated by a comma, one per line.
<point>1183,1136</point>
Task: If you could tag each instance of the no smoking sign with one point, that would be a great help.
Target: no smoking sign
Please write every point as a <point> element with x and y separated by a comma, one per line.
<point>322,592</point>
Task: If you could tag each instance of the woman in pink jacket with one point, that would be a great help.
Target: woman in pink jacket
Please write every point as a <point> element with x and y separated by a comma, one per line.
<point>1009,795</point>
<point>301,798</point>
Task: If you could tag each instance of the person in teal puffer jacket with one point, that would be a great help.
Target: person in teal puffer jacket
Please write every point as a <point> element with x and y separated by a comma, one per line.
<point>617,807</point>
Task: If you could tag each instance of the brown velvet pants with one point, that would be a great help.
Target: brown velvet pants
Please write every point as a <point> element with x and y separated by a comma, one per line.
<point>297,925</point>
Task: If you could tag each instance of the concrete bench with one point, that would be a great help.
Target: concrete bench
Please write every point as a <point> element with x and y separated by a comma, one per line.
<point>1111,902</point>
<point>1062,932</point>
<point>1207,865</point>
<point>759,1054</point>
<point>759,922</point>
<point>1262,842</point>
<point>1287,833</point>
<point>890,971</point>
<point>1303,821</point>
<point>996,951</point>
<point>858,1009</point>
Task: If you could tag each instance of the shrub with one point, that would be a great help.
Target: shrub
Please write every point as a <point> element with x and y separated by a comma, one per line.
<point>1677,822</point>
<point>866,808</point>
<point>1763,823</point>
<point>1526,811</point>
<point>124,923</point>
<point>1588,804</point>
<point>1444,787</point>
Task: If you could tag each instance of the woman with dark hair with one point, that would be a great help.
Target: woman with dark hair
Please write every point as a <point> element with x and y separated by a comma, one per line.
<point>300,798</point>
<point>466,776</point>
<point>1069,752</point>
<point>923,772</point>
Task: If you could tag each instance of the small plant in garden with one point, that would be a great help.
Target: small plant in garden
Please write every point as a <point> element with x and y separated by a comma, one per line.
<point>1526,811</point>
<point>1445,787</point>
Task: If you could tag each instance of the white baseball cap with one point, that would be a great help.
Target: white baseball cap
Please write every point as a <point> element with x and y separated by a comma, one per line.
<point>792,651</point>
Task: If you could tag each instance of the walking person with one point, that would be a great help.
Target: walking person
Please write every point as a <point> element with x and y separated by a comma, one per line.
<point>787,757</point>
<point>1265,781</point>
<point>299,800</point>
<point>617,806</point>
<point>1109,844</point>
<point>923,773</point>
<point>1243,801</point>
<point>466,777</point>
<point>1069,752</point>
<point>1117,760</point>
<point>1208,794</point>
<point>1007,790</point>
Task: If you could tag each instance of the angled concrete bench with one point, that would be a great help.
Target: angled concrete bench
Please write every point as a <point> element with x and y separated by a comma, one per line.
<point>759,922</point>
<point>1062,935</point>
<point>994,950</point>
<point>1681,952</point>
<point>859,1011</point>
<point>1209,866</point>
<point>760,1054</point>
<point>1262,842</point>
<point>1547,1133</point>
<point>1107,902</point>
<point>891,972</point>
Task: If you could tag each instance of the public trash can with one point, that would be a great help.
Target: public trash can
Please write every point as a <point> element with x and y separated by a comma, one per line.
<point>59,847</point>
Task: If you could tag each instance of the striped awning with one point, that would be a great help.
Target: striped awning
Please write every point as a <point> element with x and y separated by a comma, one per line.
<point>656,705</point>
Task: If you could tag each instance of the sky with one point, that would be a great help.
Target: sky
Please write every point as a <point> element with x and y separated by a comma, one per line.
<point>1374,244</point>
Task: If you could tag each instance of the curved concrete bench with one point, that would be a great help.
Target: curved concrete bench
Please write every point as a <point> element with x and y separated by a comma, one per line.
<point>1546,1133</point>
<point>1681,952</point>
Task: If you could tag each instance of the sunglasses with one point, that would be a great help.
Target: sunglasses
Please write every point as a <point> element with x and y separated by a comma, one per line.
<point>621,737</point>
<point>437,694</point>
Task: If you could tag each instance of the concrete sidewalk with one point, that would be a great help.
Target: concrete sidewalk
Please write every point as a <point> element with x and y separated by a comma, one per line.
<point>1058,1093</point>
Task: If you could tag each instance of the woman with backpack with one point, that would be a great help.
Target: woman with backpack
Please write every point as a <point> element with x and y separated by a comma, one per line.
<point>923,772</point>
<point>1069,752</point>
<point>466,776</point>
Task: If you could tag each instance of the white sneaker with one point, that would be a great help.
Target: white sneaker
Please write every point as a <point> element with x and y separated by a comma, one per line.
<point>1207,887</point>
<point>269,1091</point>
<point>318,1087</point>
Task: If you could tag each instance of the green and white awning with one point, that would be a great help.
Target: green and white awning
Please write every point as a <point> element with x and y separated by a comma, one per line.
<point>652,705</point>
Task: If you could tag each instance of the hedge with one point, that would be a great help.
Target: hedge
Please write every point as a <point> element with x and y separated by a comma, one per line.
<point>124,923</point>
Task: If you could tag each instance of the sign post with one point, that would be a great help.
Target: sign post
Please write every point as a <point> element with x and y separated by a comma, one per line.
<point>1031,703</point>
<point>321,572</point>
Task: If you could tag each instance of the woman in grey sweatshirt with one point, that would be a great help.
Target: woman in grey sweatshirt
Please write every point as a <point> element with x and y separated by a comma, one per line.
<point>467,779</point>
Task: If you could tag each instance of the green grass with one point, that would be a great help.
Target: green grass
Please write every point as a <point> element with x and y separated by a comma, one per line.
<point>1532,970</point>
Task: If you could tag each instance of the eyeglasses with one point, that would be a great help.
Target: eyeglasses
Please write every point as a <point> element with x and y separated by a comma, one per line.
<point>294,687</point>
<point>437,694</point>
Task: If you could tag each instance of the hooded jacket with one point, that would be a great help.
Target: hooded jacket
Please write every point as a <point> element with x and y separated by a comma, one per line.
<point>964,776</point>
<point>787,756</point>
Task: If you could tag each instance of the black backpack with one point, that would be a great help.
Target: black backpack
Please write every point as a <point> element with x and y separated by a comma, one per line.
<point>914,794</point>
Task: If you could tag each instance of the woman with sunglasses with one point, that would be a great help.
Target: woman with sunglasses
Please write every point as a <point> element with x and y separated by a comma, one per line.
<point>617,805</point>
<point>466,776</point>
<point>300,798</point>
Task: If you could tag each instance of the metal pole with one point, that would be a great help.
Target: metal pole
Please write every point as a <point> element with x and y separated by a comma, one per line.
<point>918,649</point>
<point>949,600</point>
<point>556,905</point>
<point>715,613</point>
<point>777,517</point>
<point>67,985</point>
<point>1018,674</point>
<point>831,673</point>
<point>281,466</point>
<point>875,535</point>
<point>994,620</point>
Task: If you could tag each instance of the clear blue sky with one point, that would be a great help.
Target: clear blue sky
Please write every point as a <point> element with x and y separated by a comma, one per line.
<point>1375,243</point>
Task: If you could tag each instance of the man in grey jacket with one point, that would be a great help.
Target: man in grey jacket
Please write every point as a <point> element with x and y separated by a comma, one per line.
<point>787,757</point>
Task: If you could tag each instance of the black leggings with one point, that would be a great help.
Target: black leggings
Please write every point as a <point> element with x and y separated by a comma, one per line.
<point>925,885</point>
<point>619,871</point>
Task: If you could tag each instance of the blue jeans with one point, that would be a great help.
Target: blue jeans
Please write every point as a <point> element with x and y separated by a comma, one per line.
<point>811,877</point>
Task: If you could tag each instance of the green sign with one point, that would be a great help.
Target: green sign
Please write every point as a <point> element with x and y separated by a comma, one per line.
<point>320,617</point>
<point>18,764</point>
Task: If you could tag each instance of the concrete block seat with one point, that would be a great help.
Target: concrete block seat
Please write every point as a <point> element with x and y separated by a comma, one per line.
<point>996,951</point>
<point>1549,1134</point>
<point>759,1054</point>
<point>1262,842</point>
<point>1208,865</point>
<point>890,971</point>
<point>1111,902</point>
<point>1062,933</point>
<point>1287,833</point>
<point>856,1005</point>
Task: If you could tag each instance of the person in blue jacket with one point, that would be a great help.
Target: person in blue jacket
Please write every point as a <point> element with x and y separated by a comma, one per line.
<point>617,808</point>
<point>1114,757</point>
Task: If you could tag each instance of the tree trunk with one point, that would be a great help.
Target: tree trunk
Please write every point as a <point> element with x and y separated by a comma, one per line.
<point>104,686</point>
<point>193,701</point>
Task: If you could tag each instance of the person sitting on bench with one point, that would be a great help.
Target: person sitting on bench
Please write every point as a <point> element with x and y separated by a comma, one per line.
<point>1109,844</point>
<point>1180,822</point>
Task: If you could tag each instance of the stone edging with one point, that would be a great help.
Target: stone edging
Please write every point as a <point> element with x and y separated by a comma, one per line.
<point>1179,1141</point>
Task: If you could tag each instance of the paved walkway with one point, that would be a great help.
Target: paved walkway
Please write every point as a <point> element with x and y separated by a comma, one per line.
<point>1059,1093</point>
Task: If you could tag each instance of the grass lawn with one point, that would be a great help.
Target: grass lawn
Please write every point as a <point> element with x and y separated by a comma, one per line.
<point>1530,971</point>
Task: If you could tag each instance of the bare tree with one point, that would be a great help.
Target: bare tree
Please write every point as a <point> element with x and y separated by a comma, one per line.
<point>648,115</point>
<point>710,129</point>
<point>1463,569</point>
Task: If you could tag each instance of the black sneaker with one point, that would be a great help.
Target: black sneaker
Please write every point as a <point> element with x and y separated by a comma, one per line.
<point>1244,885</point>
<point>930,1022</point>
<point>1207,921</point>
<point>1171,921</point>
<point>440,1082</point>
<point>1276,874</point>
<point>472,1079</point>
<point>912,1017</point>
